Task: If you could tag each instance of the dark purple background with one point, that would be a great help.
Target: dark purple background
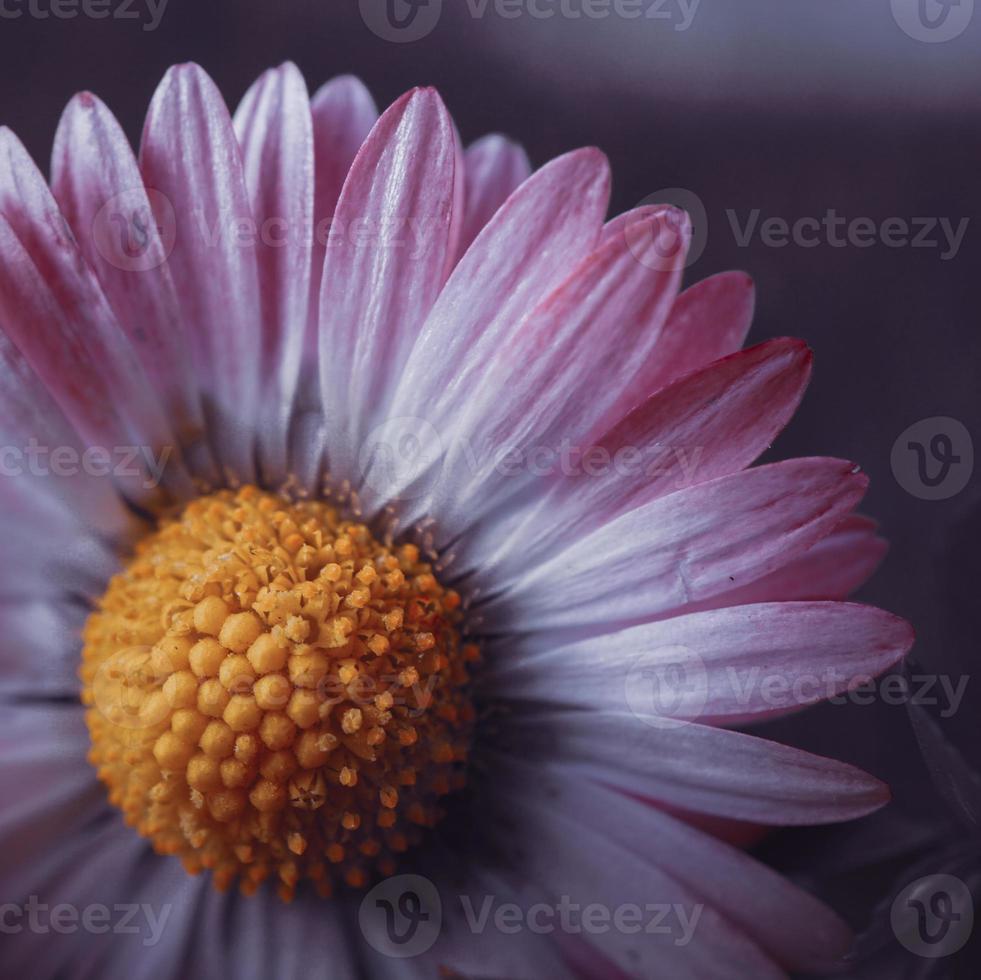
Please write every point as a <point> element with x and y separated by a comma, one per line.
<point>792,111</point>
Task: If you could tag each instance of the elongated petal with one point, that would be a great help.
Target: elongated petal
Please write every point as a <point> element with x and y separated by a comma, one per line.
<point>763,908</point>
<point>547,826</point>
<point>495,167</point>
<point>54,310</point>
<point>707,425</point>
<point>97,183</point>
<point>833,569</point>
<point>190,155</point>
<point>530,246</point>
<point>685,547</point>
<point>753,661</point>
<point>275,130</point>
<point>612,302</point>
<point>392,241</point>
<point>699,768</point>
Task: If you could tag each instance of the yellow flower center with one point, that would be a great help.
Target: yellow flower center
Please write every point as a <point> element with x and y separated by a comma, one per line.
<point>273,692</point>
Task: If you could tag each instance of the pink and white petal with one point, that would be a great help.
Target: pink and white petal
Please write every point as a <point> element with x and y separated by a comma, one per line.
<point>526,251</point>
<point>697,768</point>
<point>343,115</point>
<point>377,292</point>
<point>617,227</point>
<point>275,130</point>
<point>190,156</point>
<point>834,568</point>
<point>546,825</point>
<point>613,301</point>
<point>46,784</point>
<point>709,424</point>
<point>54,311</point>
<point>31,420</point>
<point>796,930</point>
<point>40,640</point>
<point>682,548</point>
<point>709,320</point>
<point>745,663</point>
<point>47,553</point>
<point>97,184</point>
<point>495,167</point>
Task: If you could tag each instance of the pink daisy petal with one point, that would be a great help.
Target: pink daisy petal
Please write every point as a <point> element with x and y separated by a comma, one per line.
<point>832,569</point>
<point>393,239</point>
<point>190,155</point>
<point>703,769</point>
<point>746,662</point>
<point>343,115</point>
<point>55,312</point>
<point>29,416</point>
<point>50,630</point>
<point>97,183</point>
<point>612,301</point>
<point>275,130</point>
<point>495,168</point>
<point>585,863</point>
<point>525,252</point>
<point>684,547</point>
<point>709,424</point>
<point>790,926</point>
<point>709,320</point>
<point>616,227</point>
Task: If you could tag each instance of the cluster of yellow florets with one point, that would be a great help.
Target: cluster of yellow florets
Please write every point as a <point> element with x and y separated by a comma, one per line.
<point>273,692</point>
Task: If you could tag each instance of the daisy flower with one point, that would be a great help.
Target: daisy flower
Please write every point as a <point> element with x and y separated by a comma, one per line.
<point>375,513</point>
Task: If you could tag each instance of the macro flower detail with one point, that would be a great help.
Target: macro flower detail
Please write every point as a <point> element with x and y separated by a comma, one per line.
<point>437,551</point>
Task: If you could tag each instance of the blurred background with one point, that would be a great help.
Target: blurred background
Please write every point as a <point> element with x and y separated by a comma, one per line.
<point>858,116</point>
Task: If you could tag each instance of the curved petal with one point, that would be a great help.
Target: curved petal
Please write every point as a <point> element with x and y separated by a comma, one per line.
<point>275,130</point>
<point>755,661</point>
<point>31,421</point>
<point>613,301</point>
<point>547,824</point>
<point>683,548</point>
<point>832,569</point>
<point>54,310</point>
<point>97,183</point>
<point>495,168</point>
<point>392,241</point>
<point>190,156</point>
<point>706,425</point>
<point>697,768</point>
<point>39,648</point>
<point>524,253</point>
<point>747,907</point>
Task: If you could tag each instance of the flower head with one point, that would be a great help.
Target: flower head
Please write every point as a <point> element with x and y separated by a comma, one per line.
<point>434,555</point>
